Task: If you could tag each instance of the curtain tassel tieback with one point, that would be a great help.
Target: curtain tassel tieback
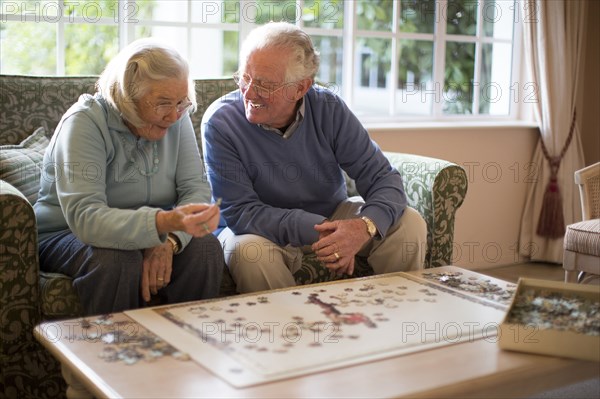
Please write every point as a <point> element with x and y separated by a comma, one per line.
<point>551,223</point>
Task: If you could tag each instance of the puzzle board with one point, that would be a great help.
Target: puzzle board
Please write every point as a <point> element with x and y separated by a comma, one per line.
<point>257,338</point>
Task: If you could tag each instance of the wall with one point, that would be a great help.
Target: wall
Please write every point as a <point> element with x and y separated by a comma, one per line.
<point>497,161</point>
<point>589,87</point>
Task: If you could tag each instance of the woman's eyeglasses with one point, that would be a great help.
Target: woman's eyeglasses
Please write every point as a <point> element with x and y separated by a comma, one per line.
<point>165,109</point>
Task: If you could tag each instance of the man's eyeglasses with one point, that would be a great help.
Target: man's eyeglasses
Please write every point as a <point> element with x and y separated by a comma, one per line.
<point>244,81</point>
<point>165,109</point>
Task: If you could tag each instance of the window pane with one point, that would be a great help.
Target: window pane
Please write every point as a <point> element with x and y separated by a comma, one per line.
<point>323,14</point>
<point>223,49</point>
<point>415,78</point>
<point>28,48</point>
<point>461,17</point>
<point>269,10</point>
<point>372,76</point>
<point>92,11</point>
<point>330,70</point>
<point>498,19</point>
<point>164,10</point>
<point>210,11</point>
<point>375,14</point>
<point>44,10</point>
<point>458,78</point>
<point>494,90</point>
<point>176,37</point>
<point>417,16</point>
<point>231,47</point>
<point>32,29</point>
<point>89,47</point>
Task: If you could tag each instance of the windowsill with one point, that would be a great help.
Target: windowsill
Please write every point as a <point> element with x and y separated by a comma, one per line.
<point>392,127</point>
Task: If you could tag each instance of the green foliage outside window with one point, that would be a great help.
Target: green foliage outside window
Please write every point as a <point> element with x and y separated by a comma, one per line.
<point>323,14</point>
<point>89,45</point>
<point>415,62</point>
<point>30,48</point>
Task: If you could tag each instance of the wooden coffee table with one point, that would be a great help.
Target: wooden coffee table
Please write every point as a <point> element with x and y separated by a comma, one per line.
<point>477,368</point>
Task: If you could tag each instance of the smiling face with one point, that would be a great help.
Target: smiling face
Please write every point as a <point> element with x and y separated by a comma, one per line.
<point>276,108</point>
<point>162,93</point>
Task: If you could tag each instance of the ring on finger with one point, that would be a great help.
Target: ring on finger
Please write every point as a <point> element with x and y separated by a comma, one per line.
<point>337,256</point>
<point>205,226</point>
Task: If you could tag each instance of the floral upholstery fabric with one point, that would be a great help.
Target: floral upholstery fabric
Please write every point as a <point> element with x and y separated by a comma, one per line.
<point>59,299</point>
<point>27,370</point>
<point>29,102</point>
<point>434,187</point>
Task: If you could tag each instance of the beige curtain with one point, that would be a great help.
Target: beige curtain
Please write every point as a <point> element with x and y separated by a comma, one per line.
<point>553,42</point>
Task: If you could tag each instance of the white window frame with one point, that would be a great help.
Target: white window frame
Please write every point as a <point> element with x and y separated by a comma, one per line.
<point>349,33</point>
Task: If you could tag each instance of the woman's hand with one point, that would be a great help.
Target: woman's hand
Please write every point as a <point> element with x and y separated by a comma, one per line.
<point>156,269</point>
<point>197,220</point>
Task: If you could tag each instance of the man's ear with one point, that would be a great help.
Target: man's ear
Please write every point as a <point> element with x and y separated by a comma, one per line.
<point>302,87</point>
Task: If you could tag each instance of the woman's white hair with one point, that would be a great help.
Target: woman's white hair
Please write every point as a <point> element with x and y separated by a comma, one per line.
<point>304,59</point>
<point>129,75</point>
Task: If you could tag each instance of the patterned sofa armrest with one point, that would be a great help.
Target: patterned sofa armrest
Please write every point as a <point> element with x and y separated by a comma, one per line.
<point>27,370</point>
<point>19,289</point>
<point>436,189</point>
<point>19,275</point>
<point>59,300</point>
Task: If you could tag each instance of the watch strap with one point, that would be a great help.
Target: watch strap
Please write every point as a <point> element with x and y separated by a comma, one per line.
<point>172,238</point>
<point>371,228</point>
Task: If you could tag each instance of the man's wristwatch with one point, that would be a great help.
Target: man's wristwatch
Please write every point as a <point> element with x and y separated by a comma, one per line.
<point>371,228</point>
<point>174,242</point>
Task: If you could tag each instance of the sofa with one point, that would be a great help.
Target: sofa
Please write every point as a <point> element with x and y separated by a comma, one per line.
<point>30,108</point>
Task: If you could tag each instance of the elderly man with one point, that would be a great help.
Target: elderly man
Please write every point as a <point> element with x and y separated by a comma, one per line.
<point>275,152</point>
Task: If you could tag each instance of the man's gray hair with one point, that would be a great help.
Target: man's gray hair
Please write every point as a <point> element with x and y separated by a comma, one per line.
<point>129,75</point>
<point>304,59</point>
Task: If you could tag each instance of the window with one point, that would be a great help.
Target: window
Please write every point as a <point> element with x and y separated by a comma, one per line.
<point>389,59</point>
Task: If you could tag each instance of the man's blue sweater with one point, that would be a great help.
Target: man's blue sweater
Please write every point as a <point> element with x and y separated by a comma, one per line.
<point>280,188</point>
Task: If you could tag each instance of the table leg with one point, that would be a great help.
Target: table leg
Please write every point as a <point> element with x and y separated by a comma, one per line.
<point>75,389</point>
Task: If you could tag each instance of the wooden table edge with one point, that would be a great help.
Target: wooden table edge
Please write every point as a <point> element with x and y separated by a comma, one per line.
<point>78,370</point>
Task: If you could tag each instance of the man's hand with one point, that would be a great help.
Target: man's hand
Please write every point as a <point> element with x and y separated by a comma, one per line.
<point>339,241</point>
<point>156,269</point>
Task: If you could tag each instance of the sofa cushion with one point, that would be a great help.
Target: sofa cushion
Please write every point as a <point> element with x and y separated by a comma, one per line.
<point>583,237</point>
<point>20,164</point>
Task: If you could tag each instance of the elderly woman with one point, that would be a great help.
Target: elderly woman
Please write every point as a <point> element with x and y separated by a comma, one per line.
<point>122,206</point>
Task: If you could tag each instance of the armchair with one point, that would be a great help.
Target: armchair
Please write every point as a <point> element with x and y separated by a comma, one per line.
<point>581,258</point>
